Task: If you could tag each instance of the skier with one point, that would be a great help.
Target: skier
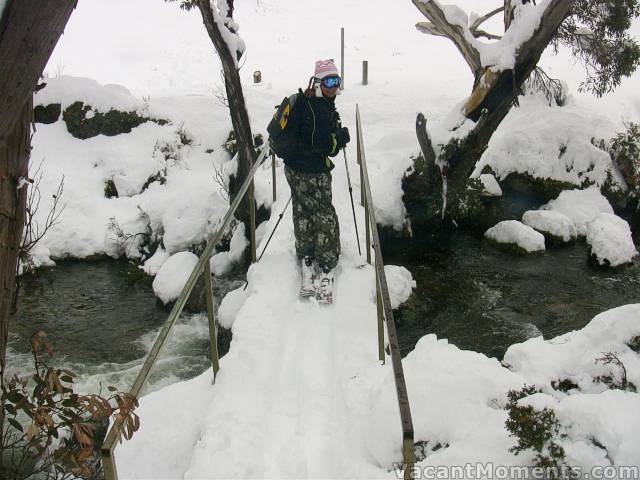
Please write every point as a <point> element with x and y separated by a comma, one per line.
<point>308,171</point>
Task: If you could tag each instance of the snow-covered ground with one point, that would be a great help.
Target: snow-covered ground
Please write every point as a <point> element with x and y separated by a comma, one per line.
<point>168,64</point>
<point>300,393</point>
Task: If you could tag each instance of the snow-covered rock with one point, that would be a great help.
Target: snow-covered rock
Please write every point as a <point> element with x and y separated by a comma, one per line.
<point>231,305</point>
<point>67,90</point>
<point>554,224</point>
<point>223,262</point>
<point>491,186</point>
<point>581,206</point>
<point>550,143</point>
<point>173,275</point>
<point>609,239</point>
<point>513,232</point>
<point>155,262</point>
<point>572,356</point>
<point>400,283</point>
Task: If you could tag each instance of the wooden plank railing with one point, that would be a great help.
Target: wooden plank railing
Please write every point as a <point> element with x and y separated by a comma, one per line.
<point>385,312</point>
<point>202,268</point>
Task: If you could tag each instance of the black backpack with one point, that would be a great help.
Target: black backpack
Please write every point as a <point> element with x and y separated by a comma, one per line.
<point>282,129</point>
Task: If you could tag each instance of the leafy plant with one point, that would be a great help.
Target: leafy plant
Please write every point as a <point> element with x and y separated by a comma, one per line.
<point>50,430</point>
<point>634,344</point>
<point>624,150</point>
<point>597,33</point>
<point>611,358</point>
<point>537,430</point>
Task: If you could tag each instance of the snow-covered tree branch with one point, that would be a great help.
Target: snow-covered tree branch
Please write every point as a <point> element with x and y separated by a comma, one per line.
<point>217,16</point>
<point>595,30</point>
<point>500,68</point>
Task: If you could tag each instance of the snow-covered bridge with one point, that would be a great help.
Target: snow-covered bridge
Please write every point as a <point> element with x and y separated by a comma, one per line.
<point>302,392</point>
<point>289,400</point>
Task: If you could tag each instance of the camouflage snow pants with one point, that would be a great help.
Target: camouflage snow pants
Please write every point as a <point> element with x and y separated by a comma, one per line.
<point>315,222</point>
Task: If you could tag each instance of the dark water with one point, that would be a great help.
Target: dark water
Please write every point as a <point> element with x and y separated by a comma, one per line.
<point>482,299</point>
<point>102,324</point>
<point>102,321</point>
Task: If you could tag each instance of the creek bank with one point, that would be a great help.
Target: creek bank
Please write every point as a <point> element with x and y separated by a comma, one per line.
<point>485,300</point>
<point>102,323</point>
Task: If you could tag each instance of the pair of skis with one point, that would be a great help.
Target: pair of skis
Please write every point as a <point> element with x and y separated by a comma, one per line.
<point>322,294</point>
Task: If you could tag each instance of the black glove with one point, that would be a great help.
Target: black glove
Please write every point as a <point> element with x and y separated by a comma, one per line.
<point>342,137</point>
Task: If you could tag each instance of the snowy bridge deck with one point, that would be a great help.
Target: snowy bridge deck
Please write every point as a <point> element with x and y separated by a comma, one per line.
<point>291,398</point>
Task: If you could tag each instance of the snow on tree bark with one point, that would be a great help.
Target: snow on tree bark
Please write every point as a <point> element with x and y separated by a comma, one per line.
<point>499,70</point>
<point>29,31</point>
<point>222,31</point>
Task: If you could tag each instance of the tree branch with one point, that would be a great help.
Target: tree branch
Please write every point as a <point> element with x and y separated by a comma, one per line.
<point>425,140</point>
<point>480,20</point>
<point>455,32</point>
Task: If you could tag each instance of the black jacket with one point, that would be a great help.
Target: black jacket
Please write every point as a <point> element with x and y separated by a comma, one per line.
<point>317,123</point>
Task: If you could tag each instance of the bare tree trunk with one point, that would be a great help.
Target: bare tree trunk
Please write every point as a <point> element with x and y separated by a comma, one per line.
<point>493,95</point>
<point>29,31</point>
<point>14,158</point>
<point>237,105</point>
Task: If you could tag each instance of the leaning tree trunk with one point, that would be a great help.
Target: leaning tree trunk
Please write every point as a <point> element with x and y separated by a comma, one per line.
<point>493,95</point>
<point>14,159</point>
<point>237,105</point>
<point>29,30</point>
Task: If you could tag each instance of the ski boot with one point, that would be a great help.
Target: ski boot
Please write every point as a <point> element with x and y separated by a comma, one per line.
<point>325,292</point>
<point>307,271</point>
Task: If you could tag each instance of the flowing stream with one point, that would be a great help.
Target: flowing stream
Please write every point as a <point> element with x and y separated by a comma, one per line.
<point>102,324</point>
<point>483,299</point>
<point>102,321</point>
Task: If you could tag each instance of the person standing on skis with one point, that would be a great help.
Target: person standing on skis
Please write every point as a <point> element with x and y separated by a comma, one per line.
<point>320,135</point>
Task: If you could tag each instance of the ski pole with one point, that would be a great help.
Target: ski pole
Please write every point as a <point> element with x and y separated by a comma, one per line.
<point>353,208</point>
<point>270,237</point>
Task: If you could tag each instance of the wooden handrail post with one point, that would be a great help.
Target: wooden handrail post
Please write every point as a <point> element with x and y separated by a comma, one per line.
<point>362,195</point>
<point>382,295</point>
<point>380,320</point>
<point>109,464</point>
<point>252,221</point>
<point>115,431</point>
<point>367,229</point>
<point>273,174</point>
<point>213,331</point>
<point>408,456</point>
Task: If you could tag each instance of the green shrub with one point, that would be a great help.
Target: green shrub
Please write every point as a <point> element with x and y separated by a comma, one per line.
<point>625,152</point>
<point>536,430</point>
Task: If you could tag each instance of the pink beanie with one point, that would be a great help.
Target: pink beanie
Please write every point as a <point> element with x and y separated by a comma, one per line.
<point>325,68</point>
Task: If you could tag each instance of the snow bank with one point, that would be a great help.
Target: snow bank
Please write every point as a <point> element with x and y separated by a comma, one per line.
<point>223,262</point>
<point>572,356</point>
<point>516,233</point>
<point>271,383</point>
<point>491,186</point>
<point>551,143</point>
<point>400,283</point>
<point>173,275</point>
<point>610,241</point>
<point>67,90</point>
<point>581,206</point>
<point>231,305</point>
<point>455,399</point>
<point>552,223</point>
<point>609,418</point>
<point>166,188</point>
<point>153,264</point>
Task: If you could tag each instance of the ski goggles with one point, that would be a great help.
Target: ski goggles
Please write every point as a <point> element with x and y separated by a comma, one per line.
<point>331,82</point>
